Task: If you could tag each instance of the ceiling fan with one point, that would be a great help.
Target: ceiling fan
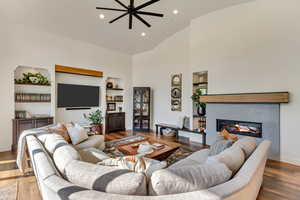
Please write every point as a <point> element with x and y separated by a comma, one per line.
<point>133,11</point>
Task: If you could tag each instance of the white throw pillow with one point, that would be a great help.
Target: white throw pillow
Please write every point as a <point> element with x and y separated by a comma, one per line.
<point>77,134</point>
<point>188,178</point>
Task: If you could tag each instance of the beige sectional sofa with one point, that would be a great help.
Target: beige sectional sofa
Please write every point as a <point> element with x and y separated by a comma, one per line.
<point>62,175</point>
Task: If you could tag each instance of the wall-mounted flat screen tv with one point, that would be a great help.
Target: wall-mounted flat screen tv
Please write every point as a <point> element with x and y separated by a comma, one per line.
<point>77,96</point>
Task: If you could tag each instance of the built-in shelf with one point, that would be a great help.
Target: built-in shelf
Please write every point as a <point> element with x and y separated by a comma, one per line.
<point>31,84</point>
<point>272,97</point>
<point>32,101</point>
<point>200,83</point>
<point>114,101</point>
<point>118,89</point>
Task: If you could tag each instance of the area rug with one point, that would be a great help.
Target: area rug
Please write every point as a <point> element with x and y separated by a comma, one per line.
<point>8,192</point>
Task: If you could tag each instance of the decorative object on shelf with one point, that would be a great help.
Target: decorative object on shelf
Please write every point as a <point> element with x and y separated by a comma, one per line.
<point>201,107</point>
<point>176,92</point>
<point>111,107</point>
<point>33,78</point>
<point>32,98</point>
<point>96,120</point>
<point>133,11</point>
<point>20,114</point>
<point>109,85</point>
<point>120,109</point>
<point>109,98</point>
<point>141,108</point>
<point>118,98</point>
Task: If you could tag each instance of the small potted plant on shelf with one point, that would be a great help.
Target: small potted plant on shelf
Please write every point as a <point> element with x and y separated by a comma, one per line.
<point>201,107</point>
<point>96,120</point>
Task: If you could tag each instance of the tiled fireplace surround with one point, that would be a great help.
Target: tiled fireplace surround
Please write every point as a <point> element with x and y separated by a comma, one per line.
<point>267,114</point>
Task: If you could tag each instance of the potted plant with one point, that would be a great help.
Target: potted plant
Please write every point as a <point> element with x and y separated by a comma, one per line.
<point>96,120</point>
<point>201,107</point>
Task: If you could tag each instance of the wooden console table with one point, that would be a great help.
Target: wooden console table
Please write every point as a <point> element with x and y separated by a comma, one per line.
<point>161,126</point>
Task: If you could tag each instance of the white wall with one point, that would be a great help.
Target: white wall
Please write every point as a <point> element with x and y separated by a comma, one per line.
<point>154,68</point>
<point>252,47</point>
<point>25,46</point>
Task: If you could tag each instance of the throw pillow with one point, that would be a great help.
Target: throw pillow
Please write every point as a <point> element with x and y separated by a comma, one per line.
<point>232,157</point>
<point>219,145</point>
<point>228,136</point>
<point>61,130</point>
<point>188,178</point>
<point>133,163</point>
<point>77,134</point>
<point>247,144</point>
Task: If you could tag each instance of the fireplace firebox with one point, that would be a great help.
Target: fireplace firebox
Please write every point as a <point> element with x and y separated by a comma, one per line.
<point>252,129</point>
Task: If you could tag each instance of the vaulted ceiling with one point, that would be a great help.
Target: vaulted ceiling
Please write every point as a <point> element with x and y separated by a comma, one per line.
<point>79,19</point>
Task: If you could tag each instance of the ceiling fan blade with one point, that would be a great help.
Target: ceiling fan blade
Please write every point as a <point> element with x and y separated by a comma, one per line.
<point>123,5</point>
<point>149,13</point>
<point>146,4</point>
<point>142,20</point>
<point>131,3</point>
<point>130,21</point>
<point>112,21</point>
<point>114,9</point>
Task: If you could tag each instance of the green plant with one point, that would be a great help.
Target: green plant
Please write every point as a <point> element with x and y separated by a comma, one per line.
<point>40,79</point>
<point>94,117</point>
<point>196,97</point>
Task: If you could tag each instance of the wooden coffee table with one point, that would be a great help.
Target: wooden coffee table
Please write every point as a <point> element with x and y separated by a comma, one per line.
<point>158,154</point>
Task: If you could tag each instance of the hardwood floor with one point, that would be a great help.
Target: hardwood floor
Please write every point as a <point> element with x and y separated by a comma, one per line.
<point>281,180</point>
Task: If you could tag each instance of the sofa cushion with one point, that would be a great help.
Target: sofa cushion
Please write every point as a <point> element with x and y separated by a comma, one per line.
<point>106,179</point>
<point>232,157</point>
<point>247,144</point>
<point>92,155</point>
<point>96,141</point>
<point>77,134</point>
<point>188,178</point>
<point>63,156</point>
<point>198,157</point>
<point>53,142</point>
<point>132,163</point>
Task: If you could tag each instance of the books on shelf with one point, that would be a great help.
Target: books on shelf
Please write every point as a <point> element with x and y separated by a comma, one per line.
<point>30,97</point>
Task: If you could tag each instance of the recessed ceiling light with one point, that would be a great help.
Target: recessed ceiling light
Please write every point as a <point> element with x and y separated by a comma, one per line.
<point>175,12</point>
<point>143,34</point>
<point>101,16</point>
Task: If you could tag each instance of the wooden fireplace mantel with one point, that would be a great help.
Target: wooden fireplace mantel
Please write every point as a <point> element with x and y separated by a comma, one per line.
<point>271,97</point>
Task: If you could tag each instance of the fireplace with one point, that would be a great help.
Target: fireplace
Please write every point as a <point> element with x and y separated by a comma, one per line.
<point>252,129</point>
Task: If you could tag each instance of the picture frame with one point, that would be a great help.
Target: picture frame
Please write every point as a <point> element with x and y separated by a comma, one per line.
<point>111,107</point>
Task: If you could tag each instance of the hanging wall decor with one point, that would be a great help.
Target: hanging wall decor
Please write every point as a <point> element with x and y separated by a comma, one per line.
<point>176,92</point>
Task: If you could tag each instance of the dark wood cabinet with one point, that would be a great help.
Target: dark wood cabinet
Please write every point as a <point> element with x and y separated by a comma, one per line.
<point>20,125</point>
<point>115,122</point>
<point>141,108</point>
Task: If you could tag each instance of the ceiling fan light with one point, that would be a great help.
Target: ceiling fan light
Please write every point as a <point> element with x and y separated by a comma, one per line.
<point>101,16</point>
<point>143,34</point>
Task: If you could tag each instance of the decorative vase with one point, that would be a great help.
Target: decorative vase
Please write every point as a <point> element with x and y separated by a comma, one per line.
<point>201,110</point>
<point>98,128</point>
<point>109,85</point>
